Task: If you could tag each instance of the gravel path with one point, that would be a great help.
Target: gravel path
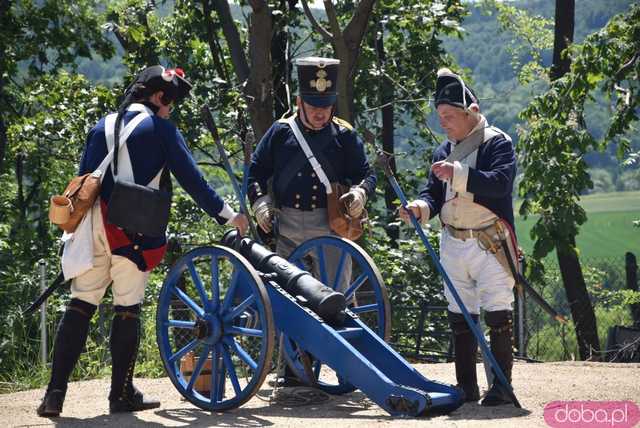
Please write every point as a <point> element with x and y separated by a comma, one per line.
<point>535,385</point>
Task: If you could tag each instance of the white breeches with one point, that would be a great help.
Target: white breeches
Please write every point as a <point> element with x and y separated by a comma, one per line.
<point>481,282</point>
<point>128,281</point>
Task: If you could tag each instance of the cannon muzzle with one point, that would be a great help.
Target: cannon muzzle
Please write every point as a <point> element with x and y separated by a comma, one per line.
<point>327,303</point>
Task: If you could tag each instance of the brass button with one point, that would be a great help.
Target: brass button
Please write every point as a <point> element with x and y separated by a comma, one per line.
<point>297,196</point>
<point>297,205</point>
<point>315,187</point>
<point>313,197</point>
<point>313,174</point>
<point>313,206</point>
<point>136,247</point>
<point>299,174</point>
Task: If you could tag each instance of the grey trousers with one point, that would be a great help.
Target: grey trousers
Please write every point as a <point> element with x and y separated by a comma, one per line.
<point>295,227</point>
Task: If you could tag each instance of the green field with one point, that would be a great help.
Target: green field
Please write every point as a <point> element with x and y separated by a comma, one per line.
<point>609,230</point>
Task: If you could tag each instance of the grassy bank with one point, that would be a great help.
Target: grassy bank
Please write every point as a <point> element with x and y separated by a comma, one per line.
<point>609,230</point>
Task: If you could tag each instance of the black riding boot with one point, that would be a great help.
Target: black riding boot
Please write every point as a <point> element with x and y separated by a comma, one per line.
<point>466,349</point>
<point>69,343</point>
<point>500,324</point>
<point>124,343</point>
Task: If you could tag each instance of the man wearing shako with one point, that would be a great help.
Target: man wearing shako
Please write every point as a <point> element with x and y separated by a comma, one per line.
<point>289,183</point>
<point>470,187</point>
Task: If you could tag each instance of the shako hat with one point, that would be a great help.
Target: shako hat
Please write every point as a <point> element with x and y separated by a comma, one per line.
<point>451,89</point>
<point>318,80</point>
<point>171,81</point>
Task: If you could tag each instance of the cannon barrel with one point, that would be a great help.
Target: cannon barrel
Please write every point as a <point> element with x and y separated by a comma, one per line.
<point>327,303</point>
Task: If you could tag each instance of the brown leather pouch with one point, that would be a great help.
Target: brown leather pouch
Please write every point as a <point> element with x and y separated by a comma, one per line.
<point>339,221</point>
<point>82,191</point>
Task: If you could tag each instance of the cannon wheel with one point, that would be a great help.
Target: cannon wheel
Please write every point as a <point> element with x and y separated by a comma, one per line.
<point>365,293</point>
<point>214,324</point>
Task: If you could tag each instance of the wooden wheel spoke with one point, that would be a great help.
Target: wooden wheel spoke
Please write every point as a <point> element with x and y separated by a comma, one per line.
<point>189,302</point>
<point>197,282</point>
<point>359,281</point>
<point>238,310</point>
<point>239,350</point>
<point>231,369</point>
<point>322,268</point>
<point>341,262</point>
<point>202,359</point>
<point>188,347</point>
<point>365,308</point>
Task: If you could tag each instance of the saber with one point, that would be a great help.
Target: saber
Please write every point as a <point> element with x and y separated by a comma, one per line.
<point>57,283</point>
<point>207,117</point>
<point>520,279</point>
<point>383,160</point>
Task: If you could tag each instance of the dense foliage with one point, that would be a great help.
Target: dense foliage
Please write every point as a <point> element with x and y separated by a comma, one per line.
<point>553,145</point>
<point>47,107</point>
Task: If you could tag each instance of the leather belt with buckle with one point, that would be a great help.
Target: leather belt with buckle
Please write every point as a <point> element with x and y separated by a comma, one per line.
<point>462,234</point>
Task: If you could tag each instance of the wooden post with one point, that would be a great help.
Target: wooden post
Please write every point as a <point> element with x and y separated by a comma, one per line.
<point>631,267</point>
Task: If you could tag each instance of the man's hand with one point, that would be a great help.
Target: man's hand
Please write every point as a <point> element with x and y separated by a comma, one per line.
<point>263,211</point>
<point>443,170</point>
<point>415,209</point>
<point>240,222</point>
<point>353,201</point>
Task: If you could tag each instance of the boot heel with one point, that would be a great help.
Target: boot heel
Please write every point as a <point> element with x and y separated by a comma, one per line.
<point>51,405</point>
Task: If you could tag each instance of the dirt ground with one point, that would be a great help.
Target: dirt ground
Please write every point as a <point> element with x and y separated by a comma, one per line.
<point>535,385</point>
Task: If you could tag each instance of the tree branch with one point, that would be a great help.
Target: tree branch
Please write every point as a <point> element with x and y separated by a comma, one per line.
<point>232,36</point>
<point>326,35</point>
<point>214,46</point>
<point>332,16</point>
<point>620,73</point>
<point>355,29</point>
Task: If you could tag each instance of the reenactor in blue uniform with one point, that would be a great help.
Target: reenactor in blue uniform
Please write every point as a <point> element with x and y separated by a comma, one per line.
<point>470,187</point>
<point>288,194</point>
<point>123,260</point>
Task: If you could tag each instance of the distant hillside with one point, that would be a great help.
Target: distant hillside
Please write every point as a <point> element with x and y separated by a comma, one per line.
<point>484,52</point>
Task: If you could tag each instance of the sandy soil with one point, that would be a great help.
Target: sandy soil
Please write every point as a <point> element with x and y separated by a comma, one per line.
<point>535,385</point>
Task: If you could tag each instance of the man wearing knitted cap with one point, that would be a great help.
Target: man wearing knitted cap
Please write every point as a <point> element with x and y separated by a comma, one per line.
<point>470,187</point>
<point>124,258</point>
<point>288,189</point>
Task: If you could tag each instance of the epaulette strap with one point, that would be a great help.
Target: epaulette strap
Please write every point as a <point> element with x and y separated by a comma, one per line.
<point>493,131</point>
<point>342,122</point>
<point>284,119</point>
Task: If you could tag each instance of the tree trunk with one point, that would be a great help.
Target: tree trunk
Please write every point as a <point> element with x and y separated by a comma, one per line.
<point>346,45</point>
<point>345,90</point>
<point>582,313</point>
<point>257,71</point>
<point>259,88</point>
<point>388,144</point>
<point>631,269</point>
<point>584,318</point>
<point>279,54</point>
<point>563,37</point>
<point>3,137</point>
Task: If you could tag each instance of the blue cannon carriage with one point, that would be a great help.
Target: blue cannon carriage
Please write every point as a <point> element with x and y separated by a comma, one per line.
<point>221,308</point>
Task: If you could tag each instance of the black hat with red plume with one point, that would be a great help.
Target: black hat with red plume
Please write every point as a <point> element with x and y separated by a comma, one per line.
<point>170,81</point>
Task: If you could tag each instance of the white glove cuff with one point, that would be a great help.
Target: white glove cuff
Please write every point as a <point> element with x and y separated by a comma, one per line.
<point>227,212</point>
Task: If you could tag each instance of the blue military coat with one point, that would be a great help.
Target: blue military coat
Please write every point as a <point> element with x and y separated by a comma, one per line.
<point>491,181</point>
<point>278,157</point>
